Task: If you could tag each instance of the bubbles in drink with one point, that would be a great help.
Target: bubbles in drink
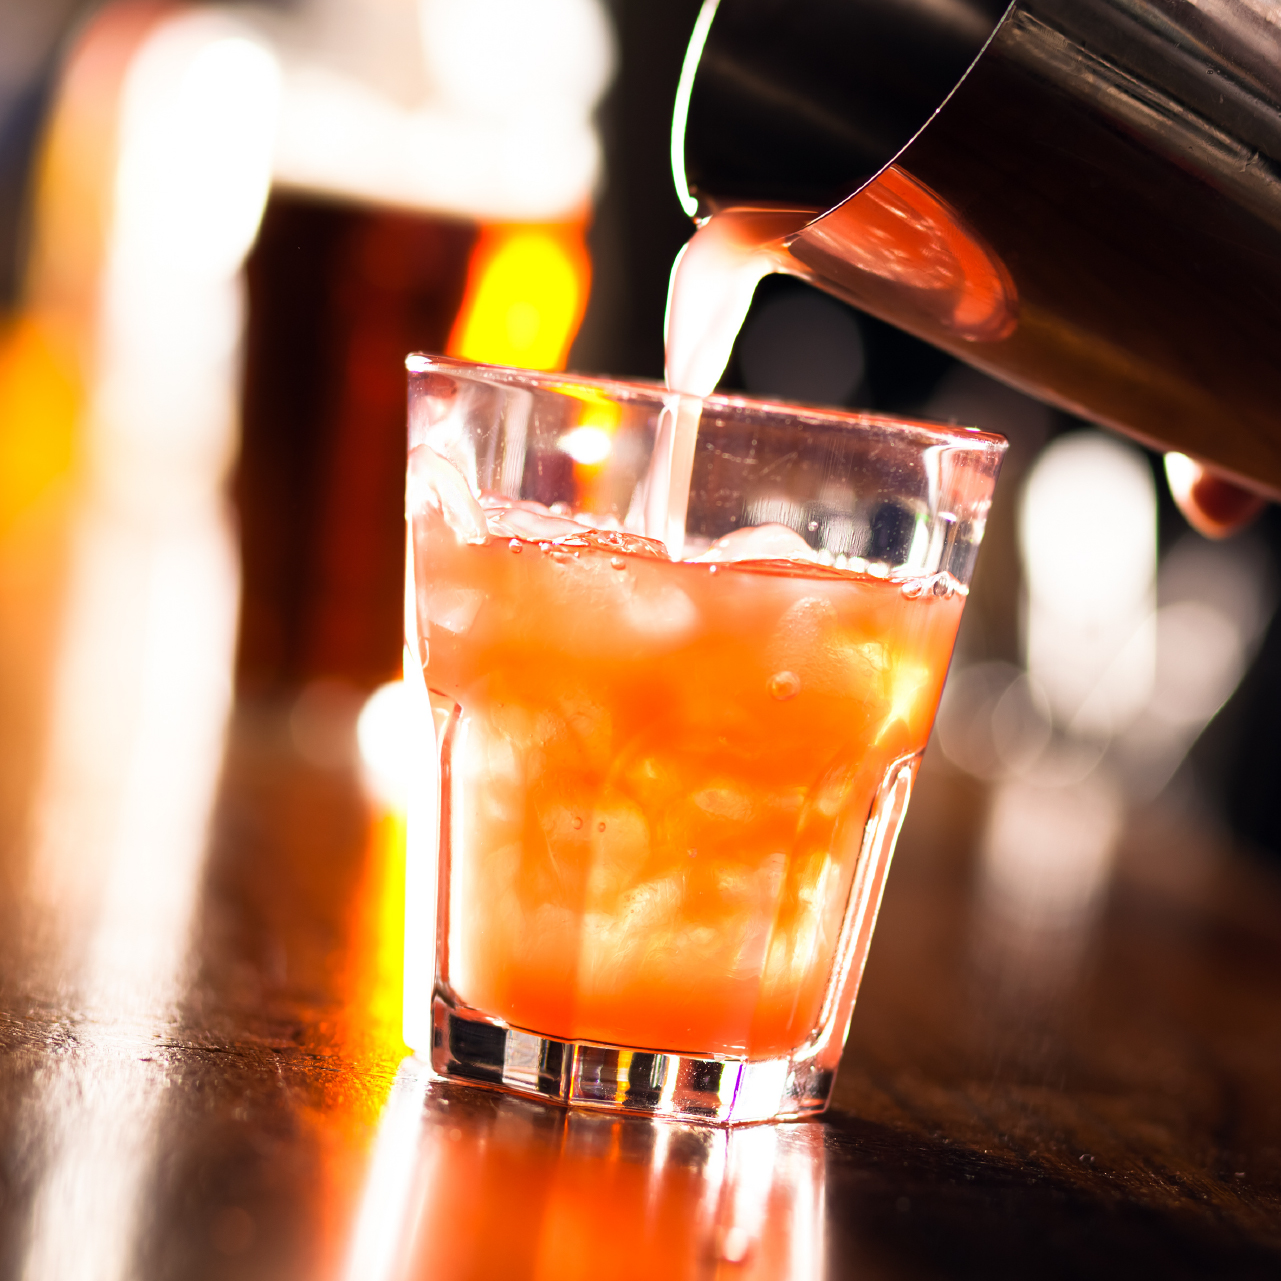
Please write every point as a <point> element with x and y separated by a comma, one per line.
<point>784,685</point>
<point>942,585</point>
<point>630,544</point>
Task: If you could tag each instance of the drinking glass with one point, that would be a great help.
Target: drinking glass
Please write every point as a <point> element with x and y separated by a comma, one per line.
<point>680,657</point>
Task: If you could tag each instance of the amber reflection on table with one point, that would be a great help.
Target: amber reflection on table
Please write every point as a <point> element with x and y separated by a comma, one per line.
<point>477,1184</point>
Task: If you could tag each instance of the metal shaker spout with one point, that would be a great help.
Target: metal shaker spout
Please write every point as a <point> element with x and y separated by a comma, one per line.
<point>895,242</point>
<point>1112,165</point>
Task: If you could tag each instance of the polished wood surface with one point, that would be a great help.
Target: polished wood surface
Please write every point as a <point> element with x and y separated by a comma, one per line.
<point>212,1084</point>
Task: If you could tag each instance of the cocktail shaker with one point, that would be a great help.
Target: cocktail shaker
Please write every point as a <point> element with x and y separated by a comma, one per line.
<point>1081,197</point>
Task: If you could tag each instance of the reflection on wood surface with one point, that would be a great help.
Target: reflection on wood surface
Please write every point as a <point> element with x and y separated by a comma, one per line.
<point>1119,1122</point>
<point>465,1183</point>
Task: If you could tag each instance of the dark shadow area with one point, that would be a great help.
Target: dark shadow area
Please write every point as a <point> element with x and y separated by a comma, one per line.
<point>1234,767</point>
<point>910,1205</point>
<point>338,296</point>
<point>639,225</point>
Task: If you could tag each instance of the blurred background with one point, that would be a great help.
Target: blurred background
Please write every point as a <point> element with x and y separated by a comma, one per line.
<point>222,227</point>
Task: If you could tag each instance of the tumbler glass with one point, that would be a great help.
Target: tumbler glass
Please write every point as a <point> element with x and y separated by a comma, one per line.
<point>680,657</point>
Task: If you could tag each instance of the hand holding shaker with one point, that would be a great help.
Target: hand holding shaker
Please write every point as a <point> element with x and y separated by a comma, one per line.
<point>683,655</point>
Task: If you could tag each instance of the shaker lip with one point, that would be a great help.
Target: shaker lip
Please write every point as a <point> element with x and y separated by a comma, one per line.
<point>808,102</point>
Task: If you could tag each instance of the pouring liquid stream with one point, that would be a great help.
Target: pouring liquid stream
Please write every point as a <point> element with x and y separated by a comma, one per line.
<point>713,280</point>
<point>893,248</point>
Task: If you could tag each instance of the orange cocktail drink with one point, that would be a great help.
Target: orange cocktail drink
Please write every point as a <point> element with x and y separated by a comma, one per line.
<point>668,788</point>
<point>663,772</point>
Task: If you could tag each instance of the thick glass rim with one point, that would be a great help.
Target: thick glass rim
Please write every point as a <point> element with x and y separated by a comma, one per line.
<point>924,431</point>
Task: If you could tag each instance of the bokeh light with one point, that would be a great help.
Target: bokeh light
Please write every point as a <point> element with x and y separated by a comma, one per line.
<point>526,292</point>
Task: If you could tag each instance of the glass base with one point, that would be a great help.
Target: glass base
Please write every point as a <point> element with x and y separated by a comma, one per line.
<point>469,1046</point>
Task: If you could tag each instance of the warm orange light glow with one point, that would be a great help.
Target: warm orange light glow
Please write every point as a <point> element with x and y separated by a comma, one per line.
<point>39,398</point>
<point>526,293</point>
<point>589,444</point>
<point>376,970</point>
<point>368,1037</point>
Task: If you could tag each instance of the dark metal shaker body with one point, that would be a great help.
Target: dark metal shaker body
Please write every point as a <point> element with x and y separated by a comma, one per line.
<point>1117,161</point>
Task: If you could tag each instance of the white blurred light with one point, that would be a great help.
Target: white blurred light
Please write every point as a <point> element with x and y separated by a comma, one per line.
<point>1088,539</point>
<point>341,137</point>
<point>994,721</point>
<point>143,692</point>
<point>496,59</point>
<point>144,661</point>
<point>586,445</point>
<point>198,126</point>
<point>144,665</point>
<point>750,1164</point>
<point>1181,473</point>
<point>198,117</point>
<point>1200,659</point>
<point>1234,578</point>
<point>501,127</point>
<point>1216,601</point>
<point>380,1237</point>
<point>1047,851</point>
<point>384,734</point>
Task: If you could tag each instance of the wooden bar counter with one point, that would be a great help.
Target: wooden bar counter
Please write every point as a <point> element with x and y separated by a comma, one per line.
<point>202,1076</point>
